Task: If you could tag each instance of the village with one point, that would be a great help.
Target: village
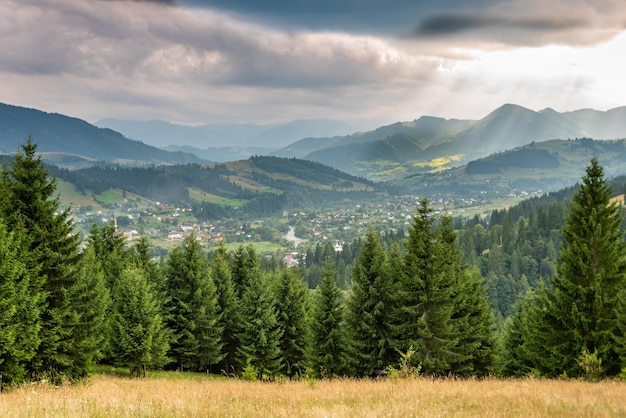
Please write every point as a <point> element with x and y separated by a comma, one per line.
<point>287,234</point>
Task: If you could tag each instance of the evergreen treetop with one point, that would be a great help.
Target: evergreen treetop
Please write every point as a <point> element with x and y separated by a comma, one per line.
<point>578,315</point>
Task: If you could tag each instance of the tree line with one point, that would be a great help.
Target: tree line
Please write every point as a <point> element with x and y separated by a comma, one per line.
<point>67,308</point>
<point>171,184</point>
<point>412,306</point>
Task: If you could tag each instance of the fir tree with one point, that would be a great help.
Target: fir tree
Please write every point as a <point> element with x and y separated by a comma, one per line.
<point>245,265</point>
<point>426,292</point>
<point>19,310</point>
<point>291,316</point>
<point>581,306</point>
<point>192,308</point>
<point>327,339</point>
<point>369,311</point>
<point>228,303</point>
<point>139,339</point>
<point>52,245</point>
<point>471,319</point>
<point>92,301</point>
<point>260,333</point>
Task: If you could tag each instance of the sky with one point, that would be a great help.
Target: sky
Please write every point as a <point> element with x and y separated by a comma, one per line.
<point>264,61</point>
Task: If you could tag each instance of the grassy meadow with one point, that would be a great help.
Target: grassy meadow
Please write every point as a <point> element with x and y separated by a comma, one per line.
<point>110,396</point>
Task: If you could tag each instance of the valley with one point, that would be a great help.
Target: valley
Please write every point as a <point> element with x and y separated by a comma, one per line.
<point>166,225</point>
<point>370,179</point>
<point>239,208</point>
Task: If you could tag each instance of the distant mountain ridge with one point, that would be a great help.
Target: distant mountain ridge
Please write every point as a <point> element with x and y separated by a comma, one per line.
<point>219,135</point>
<point>71,138</point>
<point>539,166</point>
<point>425,145</point>
<point>405,148</point>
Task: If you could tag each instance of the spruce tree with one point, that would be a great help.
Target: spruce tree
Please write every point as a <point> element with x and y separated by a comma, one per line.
<point>369,312</point>
<point>192,308</point>
<point>245,265</point>
<point>229,306</point>
<point>621,324</point>
<point>91,300</point>
<point>110,250</point>
<point>426,297</point>
<point>327,347</point>
<point>581,305</point>
<point>19,310</point>
<point>518,357</point>
<point>138,338</point>
<point>291,315</point>
<point>260,332</point>
<point>471,320</point>
<point>52,245</point>
<point>143,258</point>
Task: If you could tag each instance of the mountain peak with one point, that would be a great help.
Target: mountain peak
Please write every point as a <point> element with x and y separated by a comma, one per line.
<point>509,108</point>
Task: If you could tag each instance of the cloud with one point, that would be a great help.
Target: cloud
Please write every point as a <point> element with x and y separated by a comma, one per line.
<point>136,40</point>
<point>153,53</point>
<point>200,61</point>
<point>160,2</point>
<point>381,17</point>
<point>516,23</point>
<point>442,25</point>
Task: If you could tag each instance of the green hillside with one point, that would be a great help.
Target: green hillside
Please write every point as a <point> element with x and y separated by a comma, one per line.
<point>72,142</point>
<point>544,166</point>
<point>258,186</point>
<point>407,148</point>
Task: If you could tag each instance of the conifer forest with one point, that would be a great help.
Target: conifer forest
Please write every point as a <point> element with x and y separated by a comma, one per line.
<point>537,289</point>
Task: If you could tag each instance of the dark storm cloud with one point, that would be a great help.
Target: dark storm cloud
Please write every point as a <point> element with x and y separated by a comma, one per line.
<point>452,24</point>
<point>360,16</point>
<point>536,22</point>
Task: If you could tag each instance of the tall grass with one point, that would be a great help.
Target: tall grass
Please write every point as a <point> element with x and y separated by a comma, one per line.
<point>112,396</point>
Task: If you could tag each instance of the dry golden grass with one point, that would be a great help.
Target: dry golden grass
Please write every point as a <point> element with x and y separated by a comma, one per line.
<point>110,396</point>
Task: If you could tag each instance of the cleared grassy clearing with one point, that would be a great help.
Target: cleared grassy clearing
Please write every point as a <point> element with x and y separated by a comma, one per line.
<point>111,197</point>
<point>72,197</point>
<point>106,395</point>
<point>202,196</point>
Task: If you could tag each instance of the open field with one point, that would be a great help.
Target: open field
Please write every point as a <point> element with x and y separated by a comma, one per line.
<point>109,396</point>
<point>202,196</point>
<point>72,197</point>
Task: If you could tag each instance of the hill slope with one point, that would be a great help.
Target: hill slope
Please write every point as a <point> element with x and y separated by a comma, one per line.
<point>545,166</point>
<point>258,186</point>
<point>405,148</point>
<point>57,133</point>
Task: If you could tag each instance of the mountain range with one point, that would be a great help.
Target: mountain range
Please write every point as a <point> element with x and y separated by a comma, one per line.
<point>429,143</point>
<point>510,144</point>
<point>74,142</point>
<point>226,141</point>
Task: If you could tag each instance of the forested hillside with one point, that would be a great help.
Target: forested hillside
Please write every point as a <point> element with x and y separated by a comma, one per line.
<point>539,289</point>
<point>431,144</point>
<point>547,166</point>
<point>67,309</point>
<point>261,186</point>
<point>75,138</point>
